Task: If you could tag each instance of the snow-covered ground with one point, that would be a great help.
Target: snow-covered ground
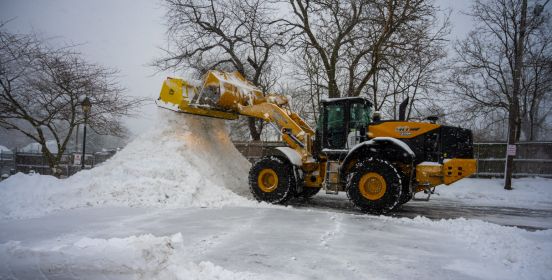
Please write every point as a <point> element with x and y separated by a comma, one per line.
<point>534,193</point>
<point>174,204</point>
<point>265,243</point>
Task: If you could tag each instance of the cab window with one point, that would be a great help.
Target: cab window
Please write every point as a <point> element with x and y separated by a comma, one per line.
<point>360,116</point>
<point>336,116</point>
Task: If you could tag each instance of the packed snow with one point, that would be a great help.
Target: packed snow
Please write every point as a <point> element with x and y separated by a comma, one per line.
<point>185,161</point>
<point>265,243</point>
<point>146,256</point>
<point>246,89</point>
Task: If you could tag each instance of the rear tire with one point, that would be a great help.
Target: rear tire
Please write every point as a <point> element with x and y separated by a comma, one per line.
<point>271,179</point>
<point>374,186</point>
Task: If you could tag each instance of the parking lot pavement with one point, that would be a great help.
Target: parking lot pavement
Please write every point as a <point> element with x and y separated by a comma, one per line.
<point>442,208</point>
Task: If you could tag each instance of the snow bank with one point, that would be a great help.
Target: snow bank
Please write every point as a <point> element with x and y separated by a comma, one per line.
<point>503,252</point>
<point>3,149</point>
<point>36,148</point>
<point>135,257</point>
<point>185,161</point>
<point>534,193</point>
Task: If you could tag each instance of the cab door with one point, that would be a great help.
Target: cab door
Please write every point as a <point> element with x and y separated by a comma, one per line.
<point>359,119</point>
<point>335,128</point>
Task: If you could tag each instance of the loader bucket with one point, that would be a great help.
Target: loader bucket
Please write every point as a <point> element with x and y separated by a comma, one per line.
<point>178,95</point>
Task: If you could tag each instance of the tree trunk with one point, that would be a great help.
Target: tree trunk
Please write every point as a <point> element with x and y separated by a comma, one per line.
<point>531,128</point>
<point>513,114</point>
<point>52,160</point>
<point>518,128</point>
<point>333,89</point>
<point>253,130</point>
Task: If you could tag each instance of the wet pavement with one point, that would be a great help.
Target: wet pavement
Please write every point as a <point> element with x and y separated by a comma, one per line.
<point>441,208</point>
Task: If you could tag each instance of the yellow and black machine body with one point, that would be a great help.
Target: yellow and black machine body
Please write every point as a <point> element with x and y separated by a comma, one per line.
<point>379,164</point>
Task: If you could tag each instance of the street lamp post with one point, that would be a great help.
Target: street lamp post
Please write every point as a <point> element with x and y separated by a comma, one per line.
<point>86,105</point>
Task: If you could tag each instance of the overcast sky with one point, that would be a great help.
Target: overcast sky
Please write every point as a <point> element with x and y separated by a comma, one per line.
<point>127,34</point>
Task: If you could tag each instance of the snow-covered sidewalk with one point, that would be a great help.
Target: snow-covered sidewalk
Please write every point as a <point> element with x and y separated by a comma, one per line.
<point>531,193</point>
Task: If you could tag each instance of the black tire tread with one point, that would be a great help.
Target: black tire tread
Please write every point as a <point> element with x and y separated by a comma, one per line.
<point>286,180</point>
<point>391,198</point>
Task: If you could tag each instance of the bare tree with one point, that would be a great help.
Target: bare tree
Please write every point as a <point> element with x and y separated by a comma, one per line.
<point>414,73</point>
<point>536,85</point>
<point>352,38</point>
<point>236,35</point>
<point>42,89</point>
<point>486,60</point>
<point>309,80</point>
<point>501,64</point>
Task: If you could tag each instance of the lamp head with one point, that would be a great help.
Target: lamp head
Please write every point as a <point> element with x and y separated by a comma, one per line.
<point>86,105</point>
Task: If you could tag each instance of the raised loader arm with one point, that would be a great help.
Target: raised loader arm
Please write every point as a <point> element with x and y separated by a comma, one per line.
<point>227,95</point>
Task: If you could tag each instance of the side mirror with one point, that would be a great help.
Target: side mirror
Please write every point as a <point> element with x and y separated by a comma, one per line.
<point>376,116</point>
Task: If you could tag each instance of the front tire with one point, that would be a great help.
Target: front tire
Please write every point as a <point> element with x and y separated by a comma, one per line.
<point>271,179</point>
<point>374,186</point>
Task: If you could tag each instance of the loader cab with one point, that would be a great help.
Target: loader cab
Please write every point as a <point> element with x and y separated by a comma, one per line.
<point>343,123</point>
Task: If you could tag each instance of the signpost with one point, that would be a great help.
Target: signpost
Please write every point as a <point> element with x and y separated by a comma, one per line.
<point>511,150</point>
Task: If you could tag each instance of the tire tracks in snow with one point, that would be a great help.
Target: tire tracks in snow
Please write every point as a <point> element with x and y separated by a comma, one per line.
<point>210,243</point>
<point>333,233</point>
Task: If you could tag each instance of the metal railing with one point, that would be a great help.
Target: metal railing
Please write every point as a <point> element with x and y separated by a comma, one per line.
<point>11,163</point>
<point>533,159</point>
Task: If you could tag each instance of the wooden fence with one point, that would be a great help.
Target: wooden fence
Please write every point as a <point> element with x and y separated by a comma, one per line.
<point>533,158</point>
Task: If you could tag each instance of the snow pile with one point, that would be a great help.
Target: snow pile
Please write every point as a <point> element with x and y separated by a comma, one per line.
<point>503,252</point>
<point>36,148</point>
<point>3,149</point>
<point>534,193</point>
<point>186,161</point>
<point>135,257</point>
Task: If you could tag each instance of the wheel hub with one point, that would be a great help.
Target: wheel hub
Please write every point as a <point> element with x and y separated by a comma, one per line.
<point>372,186</point>
<point>267,180</point>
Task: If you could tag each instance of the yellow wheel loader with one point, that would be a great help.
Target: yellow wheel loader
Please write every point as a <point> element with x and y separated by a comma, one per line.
<point>380,164</point>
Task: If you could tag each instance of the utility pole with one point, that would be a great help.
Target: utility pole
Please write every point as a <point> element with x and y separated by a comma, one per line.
<point>513,114</point>
<point>77,139</point>
<point>86,105</point>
